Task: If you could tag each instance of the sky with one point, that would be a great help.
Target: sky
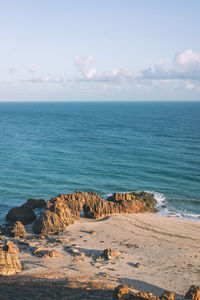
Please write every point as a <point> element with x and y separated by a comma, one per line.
<point>99,50</point>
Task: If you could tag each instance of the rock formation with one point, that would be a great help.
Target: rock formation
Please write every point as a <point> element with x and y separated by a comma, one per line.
<point>109,254</point>
<point>24,214</point>
<point>65,209</point>
<point>193,293</point>
<point>9,260</point>
<point>60,212</point>
<point>36,203</point>
<point>96,208</point>
<point>18,230</point>
<point>125,292</point>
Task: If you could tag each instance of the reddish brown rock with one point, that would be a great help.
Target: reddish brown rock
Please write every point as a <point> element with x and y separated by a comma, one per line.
<point>109,254</point>
<point>65,209</point>
<point>60,212</point>
<point>167,296</point>
<point>18,230</point>
<point>193,293</point>
<point>55,218</point>
<point>46,253</point>
<point>122,292</point>
<point>11,247</point>
<point>96,208</point>
<point>125,292</point>
<point>52,254</point>
<point>9,260</point>
<point>24,214</point>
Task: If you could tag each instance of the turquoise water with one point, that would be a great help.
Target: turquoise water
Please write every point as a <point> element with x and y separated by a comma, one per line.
<point>52,148</point>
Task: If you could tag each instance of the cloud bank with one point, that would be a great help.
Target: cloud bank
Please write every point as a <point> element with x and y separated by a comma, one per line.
<point>184,70</point>
<point>182,74</point>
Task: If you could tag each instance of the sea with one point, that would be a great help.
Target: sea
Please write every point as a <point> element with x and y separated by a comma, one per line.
<point>50,148</point>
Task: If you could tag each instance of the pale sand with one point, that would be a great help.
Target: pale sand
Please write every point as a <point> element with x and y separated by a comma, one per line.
<point>167,248</point>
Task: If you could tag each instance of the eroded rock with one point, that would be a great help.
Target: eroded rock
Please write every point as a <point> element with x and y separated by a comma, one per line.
<point>193,293</point>
<point>46,253</point>
<point>64,210</point>
<point>9,260</point>
<point>24,214</point>
<point>125,292</point>
<point>18,230</point>
<point>109,254</point>
<point>36,203</point>
<point>55,218</point>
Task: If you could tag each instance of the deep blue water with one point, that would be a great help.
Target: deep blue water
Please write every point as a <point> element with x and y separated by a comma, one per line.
<point>52,148</point>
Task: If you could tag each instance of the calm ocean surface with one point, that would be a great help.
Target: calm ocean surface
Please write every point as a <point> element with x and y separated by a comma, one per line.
<point>52,148</point>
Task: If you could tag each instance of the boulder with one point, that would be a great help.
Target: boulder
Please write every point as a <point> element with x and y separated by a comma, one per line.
<point>109,254</point>
<point>24,214</point>
<point>167,296</point>
<point>193,293</point>
<point>125,292</point>
<point>55,218</point>
<point>9,246</point>
<point>18,230</point>
<point>52,254</point>
<point>60,212</point>
<point>46,253</point>
<point>36,203</point>
<point>122,292</point>
<point>9,260</point>
<point>134,202</point>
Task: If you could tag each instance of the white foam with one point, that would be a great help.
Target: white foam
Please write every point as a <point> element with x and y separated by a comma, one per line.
<point>160,198</point>
<point>105,196</point>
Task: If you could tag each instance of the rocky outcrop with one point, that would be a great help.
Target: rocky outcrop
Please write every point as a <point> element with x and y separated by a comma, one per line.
<point>65,209</point>
<point>55,218</point>
<point>9,260</point>
<point>134,202</point>
<point>36,203</point>
<point>193,293</point>
<point>18,230</point>
<point>96,208</point>
<point>24,214</point>
<point>60,212</point>
<point>125,292</point>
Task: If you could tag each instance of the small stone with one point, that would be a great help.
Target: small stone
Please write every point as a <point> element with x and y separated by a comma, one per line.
<point>52,254</point>
<point>167,296</point>
<point>109,254</point>
<point>138,265</point>
<point>40,251</point>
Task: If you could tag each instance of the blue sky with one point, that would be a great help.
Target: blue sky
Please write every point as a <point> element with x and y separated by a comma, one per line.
<point>99,50</point>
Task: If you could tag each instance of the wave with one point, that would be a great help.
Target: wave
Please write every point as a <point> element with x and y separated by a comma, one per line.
<point>165,211</point>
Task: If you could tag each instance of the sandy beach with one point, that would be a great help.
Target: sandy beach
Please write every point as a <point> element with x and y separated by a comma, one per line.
<point>156,253</point>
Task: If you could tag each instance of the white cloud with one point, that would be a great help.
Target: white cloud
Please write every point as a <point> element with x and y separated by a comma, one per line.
<point>12,70</point>
<point>185,66</point>
<point>84,64</point>
<point>89,73</point>
<point>182,73</point>
<point>44,79</point>
<point>32,70</point>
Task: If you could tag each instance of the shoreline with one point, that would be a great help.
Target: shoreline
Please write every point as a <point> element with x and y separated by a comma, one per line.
<point>156,253</point>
